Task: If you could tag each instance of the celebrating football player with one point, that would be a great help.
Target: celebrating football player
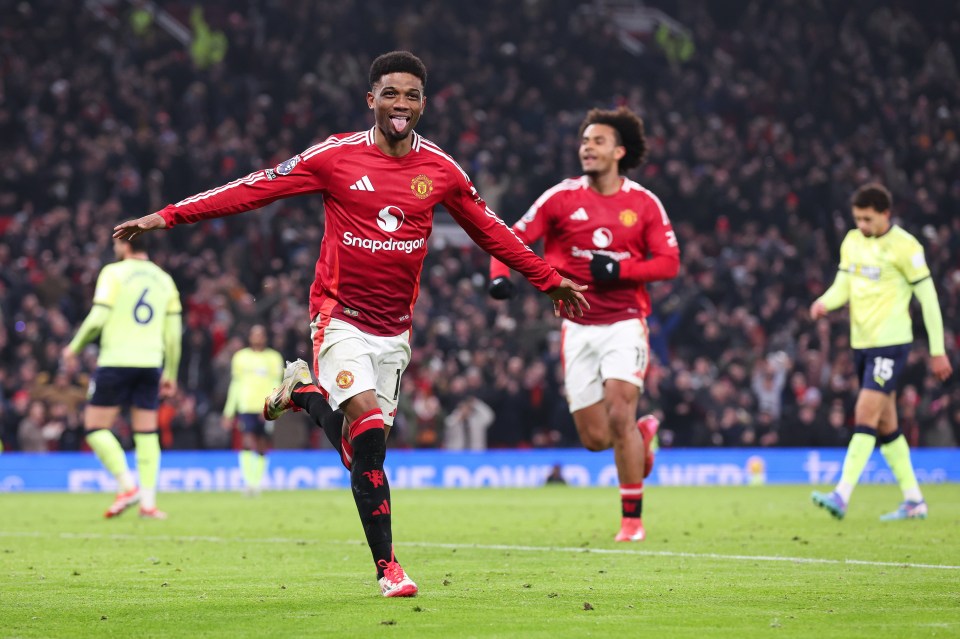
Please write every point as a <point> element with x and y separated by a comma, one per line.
<point>379,188</point>
<point>604,227</point>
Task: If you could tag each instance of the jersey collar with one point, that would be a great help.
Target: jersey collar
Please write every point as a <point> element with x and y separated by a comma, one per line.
<point>371,139</point>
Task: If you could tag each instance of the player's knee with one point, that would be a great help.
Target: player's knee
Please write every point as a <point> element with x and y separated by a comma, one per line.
<point>620,418</point>
<point>870,407</point>
<point>866,420</point>
<point>594,440</point>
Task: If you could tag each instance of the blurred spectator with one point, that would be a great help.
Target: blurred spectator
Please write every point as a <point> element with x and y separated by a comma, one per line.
<point>71,435</point>
<point>30,434</point>
<point>769,377</point>
<point>60,389</point>
<point>428,417</point>
<point>556,476</point>
<point>185,425</point>
<point>466,427</point>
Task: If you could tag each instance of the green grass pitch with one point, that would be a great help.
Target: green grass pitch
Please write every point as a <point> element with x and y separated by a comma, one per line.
<point>718,562</point>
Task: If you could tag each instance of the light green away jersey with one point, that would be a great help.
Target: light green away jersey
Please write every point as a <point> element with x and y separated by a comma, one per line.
<point>882,272</point>
<point>140,296</point>
<point>253,375</point>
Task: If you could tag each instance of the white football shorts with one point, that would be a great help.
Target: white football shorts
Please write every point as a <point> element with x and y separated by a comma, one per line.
<point>594,353</point>
<point>348,361</point>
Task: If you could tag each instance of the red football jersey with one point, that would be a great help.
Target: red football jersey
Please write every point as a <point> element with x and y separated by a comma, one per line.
<point>379,214</point>
<point>630,226</point>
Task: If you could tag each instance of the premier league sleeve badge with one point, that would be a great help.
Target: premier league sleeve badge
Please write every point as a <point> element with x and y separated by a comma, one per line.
<point>285,167</point>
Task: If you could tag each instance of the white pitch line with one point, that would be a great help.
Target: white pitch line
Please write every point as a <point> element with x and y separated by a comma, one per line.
<point>691,555</point>
<point>505,547</point>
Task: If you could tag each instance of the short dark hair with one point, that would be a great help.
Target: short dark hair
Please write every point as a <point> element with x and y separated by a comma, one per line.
<point>140,243</point>
<point>398,62</point>
<point>630,135</point>
<point>872,196</point>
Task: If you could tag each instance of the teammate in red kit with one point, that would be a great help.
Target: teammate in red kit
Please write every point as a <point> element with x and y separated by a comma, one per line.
<point>609,229</point>
<point>380,188</point>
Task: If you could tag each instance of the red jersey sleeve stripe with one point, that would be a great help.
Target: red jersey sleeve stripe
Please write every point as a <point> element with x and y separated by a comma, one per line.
<point>332,143</point>
<point>571,184</point>
<point>491,214</point>
<point>251,179</point>
<point>630,185</point>
<point>433,148</point>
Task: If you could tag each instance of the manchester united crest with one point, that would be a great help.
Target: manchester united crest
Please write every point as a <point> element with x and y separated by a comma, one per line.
<point>628,217</point>
<point>344,379</point>
<point>422,186</point>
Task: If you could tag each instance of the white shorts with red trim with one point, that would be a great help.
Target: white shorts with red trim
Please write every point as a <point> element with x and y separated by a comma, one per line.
<point>595,353</point>
<point>348,361</point>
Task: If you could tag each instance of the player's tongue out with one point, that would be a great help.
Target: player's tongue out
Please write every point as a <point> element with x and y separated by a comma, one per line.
<point>399,123</point>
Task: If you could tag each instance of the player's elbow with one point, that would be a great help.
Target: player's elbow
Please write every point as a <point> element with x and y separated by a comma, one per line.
<point>668,267</point>
<point>673,267</point>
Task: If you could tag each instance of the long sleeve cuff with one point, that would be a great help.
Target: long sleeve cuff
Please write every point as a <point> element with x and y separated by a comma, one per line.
<point>658,267</point>
<point>498,269</point>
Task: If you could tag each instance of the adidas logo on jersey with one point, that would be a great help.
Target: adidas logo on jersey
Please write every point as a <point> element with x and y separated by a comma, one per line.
<point>363,184</point>
<point>580,215</point>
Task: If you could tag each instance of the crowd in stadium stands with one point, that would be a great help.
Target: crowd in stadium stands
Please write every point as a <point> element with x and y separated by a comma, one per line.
<point>756,139</point>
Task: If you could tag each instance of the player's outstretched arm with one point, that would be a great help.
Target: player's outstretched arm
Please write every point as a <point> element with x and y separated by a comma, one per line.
<point>132,228</point>
<point>568,295</point>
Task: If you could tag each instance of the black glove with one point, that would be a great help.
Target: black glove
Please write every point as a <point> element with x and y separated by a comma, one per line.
<point>501,288</point>
<point>604,268</point>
